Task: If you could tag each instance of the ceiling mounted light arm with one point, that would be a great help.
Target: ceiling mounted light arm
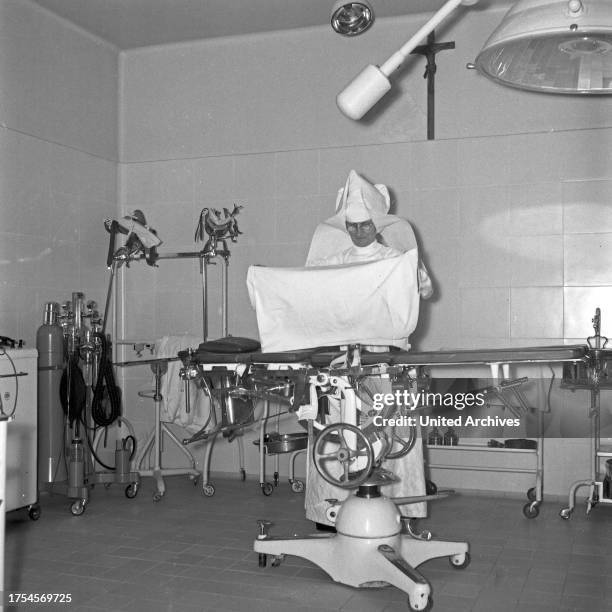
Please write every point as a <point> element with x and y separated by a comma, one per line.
<point>370,85</point>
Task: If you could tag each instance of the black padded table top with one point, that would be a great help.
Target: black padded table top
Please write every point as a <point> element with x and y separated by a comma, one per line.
<point>205,357</point>
<point>535,354</point>
<point>322,357</point>
<point>301,356</point>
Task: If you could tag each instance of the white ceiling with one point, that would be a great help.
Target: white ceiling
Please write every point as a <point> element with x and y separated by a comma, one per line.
<point>128,24</point>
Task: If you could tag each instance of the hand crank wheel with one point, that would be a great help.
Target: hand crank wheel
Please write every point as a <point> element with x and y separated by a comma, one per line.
<point>343,455</point>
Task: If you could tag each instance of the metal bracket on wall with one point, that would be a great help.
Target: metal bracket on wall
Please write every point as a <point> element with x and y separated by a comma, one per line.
<point>429,52</point>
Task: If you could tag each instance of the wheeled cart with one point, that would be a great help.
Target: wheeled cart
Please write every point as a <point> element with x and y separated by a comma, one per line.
<point>275,443</point>
<point>18,388</point>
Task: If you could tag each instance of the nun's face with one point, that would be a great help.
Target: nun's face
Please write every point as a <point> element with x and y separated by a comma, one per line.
<point>362,234</point>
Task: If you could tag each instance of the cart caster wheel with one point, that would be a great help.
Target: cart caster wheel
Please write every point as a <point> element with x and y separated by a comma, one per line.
<point>566,514</point>
<point>427,608</point>
<point>267,489</point>
<point>243,474</point>
<point>460,561</point>
<point>297,486</point>
<point>430,487</point>
<point>131,490</point>
<point>194,479</point>
<point>531,510</point>
<point>107,485</point>
<point>34,512</point>
<point>263,559</point>
<point>276,479</point>
<point>208,490</point>
<point>277,560</point>
<point>157,496</point>
<point>531,494</point>
<point>77,508</point>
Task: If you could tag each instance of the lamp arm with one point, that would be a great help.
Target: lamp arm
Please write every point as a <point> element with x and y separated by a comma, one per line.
<point>372,83</point>
<point>397,59</point>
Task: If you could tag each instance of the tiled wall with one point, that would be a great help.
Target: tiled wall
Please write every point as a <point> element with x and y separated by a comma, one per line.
<point>509,203</point>
<point>498,254</point>
<point>58,166</point>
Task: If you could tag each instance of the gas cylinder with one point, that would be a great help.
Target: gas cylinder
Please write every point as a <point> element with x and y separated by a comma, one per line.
<point>50,345</point>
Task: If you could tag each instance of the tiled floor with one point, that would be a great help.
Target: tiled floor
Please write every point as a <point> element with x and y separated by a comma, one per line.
<point>189,552</point>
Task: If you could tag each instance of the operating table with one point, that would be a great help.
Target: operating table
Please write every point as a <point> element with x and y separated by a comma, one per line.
<point>374,545</point>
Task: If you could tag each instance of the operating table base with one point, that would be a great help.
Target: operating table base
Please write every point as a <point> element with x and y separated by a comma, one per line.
<point>368,553</point>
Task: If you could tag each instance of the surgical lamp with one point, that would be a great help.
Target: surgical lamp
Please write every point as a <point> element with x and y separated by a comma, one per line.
<point>553,47</point>
<point>563,46</point>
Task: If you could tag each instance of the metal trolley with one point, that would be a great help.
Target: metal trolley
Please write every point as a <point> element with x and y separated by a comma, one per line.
<point>275,443</point>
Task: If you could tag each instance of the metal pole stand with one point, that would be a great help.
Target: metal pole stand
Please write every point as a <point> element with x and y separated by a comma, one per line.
<point>598,357</point>
<point>3,427</point>
<point>154,441</point>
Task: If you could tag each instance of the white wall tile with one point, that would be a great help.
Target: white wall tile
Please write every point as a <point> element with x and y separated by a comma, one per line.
<point>536,260</point>
<point>587,207</point>
<point>536,209</point>
<point>588,259</point>
<point>254,176</point>
<point>536,312</point>
<point>483,161</point>
<point>158,182</point>
<point>296,173</point>
<point>296,219</point>
<point>485,313</point>
<point>214,179</point>
<point>391,165</point>
<point>585,156</point>
<point>334,168</point>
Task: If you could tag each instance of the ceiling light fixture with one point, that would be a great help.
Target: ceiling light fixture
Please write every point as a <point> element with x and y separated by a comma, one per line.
<point>562,46</point>
<point>351,18</point>
<point>554,47</point>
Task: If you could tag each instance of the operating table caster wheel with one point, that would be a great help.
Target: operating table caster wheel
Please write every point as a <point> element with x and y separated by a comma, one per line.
<point>34,512</point>
<point>131,490</point>
<point>531,494</point>
<point>419,607</point>
<point>267,488</point>
<point>531,510</point>
<point>157,496</point>
<point>78,507</point>
<point>297,486</point>
<point>460,561</point>
<point>208,490</point>
<point>566,514</point>
<point>242,474</point>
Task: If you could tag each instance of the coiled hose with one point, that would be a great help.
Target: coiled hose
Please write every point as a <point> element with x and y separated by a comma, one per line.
<point>104,413</point>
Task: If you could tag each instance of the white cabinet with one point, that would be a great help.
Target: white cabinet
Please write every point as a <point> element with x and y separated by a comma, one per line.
<point>18,393</point>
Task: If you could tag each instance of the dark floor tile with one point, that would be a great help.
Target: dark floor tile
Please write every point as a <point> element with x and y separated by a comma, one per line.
<point>189,552</point>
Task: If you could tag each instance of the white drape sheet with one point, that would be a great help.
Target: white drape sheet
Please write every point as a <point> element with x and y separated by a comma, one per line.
<point>173,408</point>
<point>374,303</point>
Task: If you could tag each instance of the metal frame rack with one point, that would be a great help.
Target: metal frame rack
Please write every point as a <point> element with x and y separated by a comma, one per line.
<point>506,391</point>
<point>594,377</point>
